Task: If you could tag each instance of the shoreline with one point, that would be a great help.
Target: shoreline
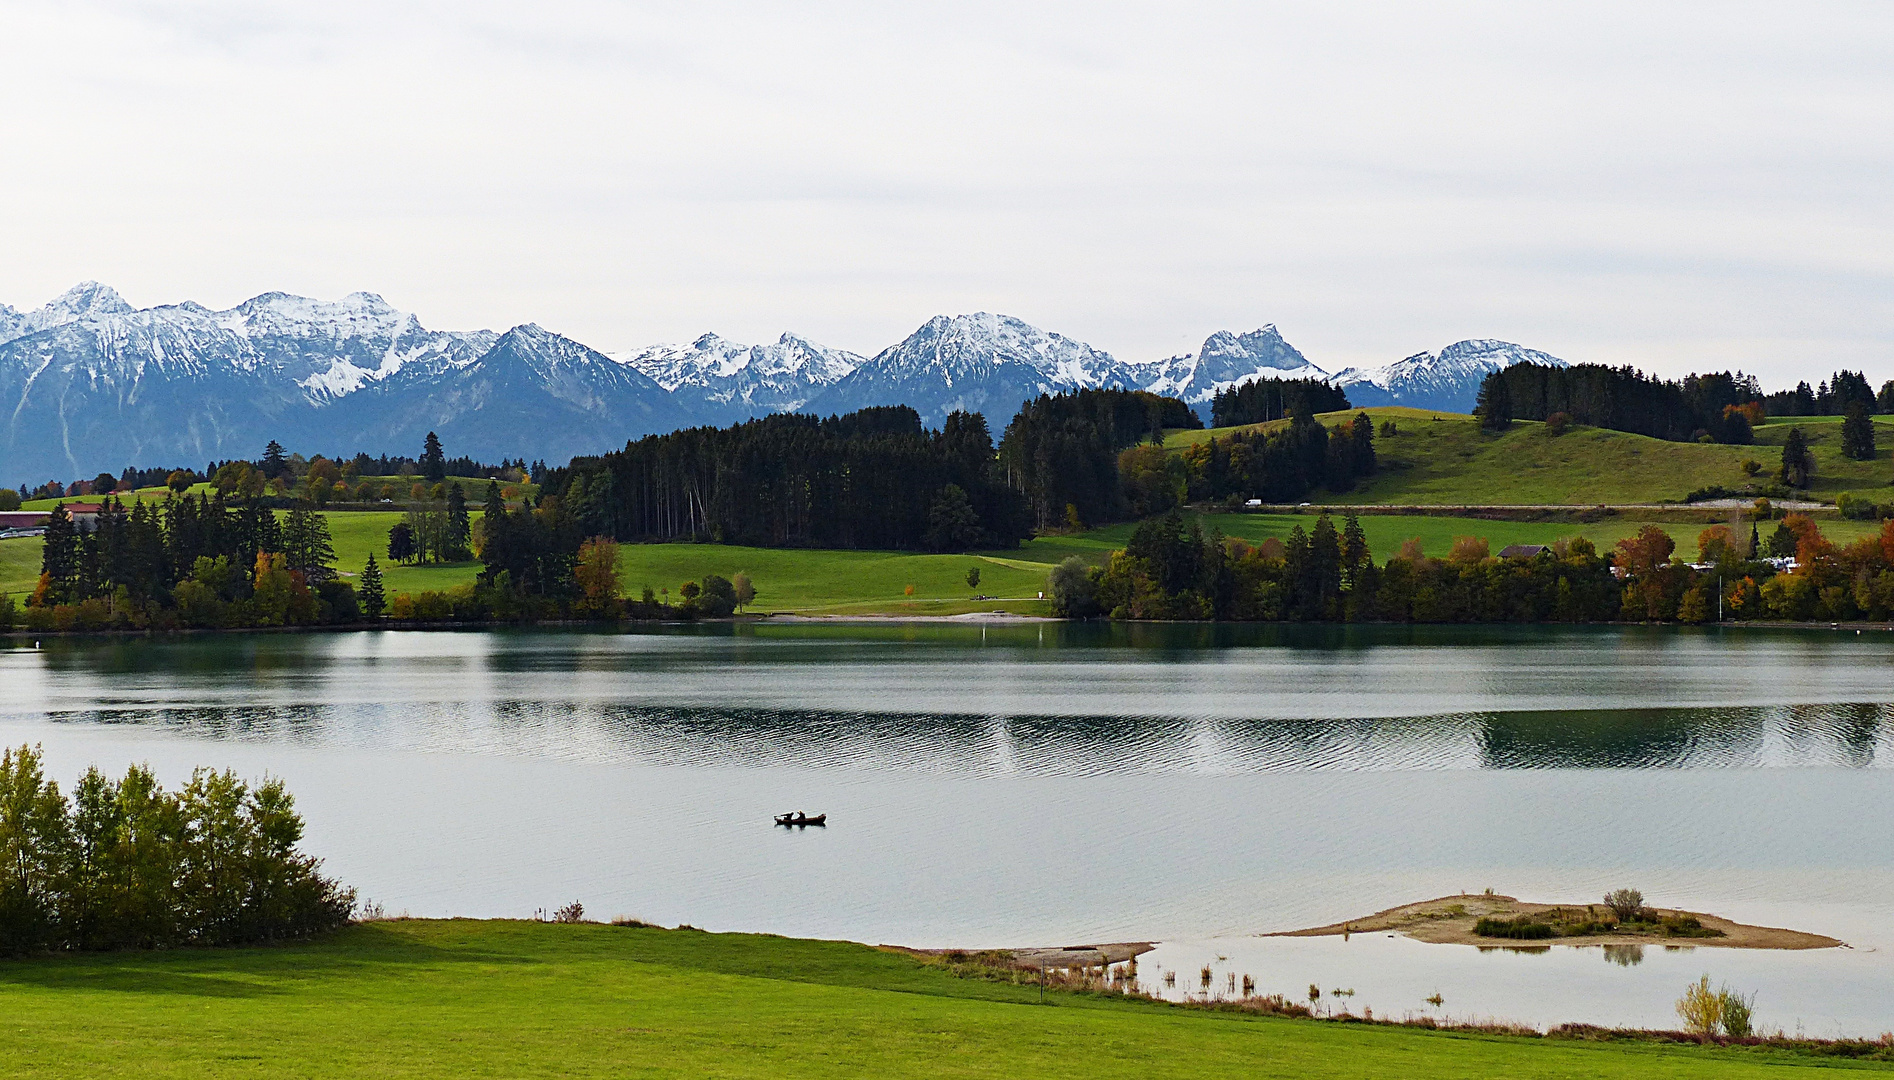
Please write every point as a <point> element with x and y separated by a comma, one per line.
<point>1449,920</point>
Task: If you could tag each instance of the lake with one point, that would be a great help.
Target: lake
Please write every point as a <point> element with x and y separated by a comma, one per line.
<point>1046,784</point>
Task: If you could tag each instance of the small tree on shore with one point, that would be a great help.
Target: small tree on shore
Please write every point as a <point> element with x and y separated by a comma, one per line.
<point>744,588</point>
<point>973,578</point>
<point>1625,903</point>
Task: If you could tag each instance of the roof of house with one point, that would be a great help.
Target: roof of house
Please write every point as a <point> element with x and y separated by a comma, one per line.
<point>1520,551</point>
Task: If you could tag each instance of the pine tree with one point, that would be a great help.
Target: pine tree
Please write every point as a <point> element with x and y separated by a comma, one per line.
<point>371,595</point>
<point>433,459</point>
<point>1354,540</point>
<point>1857,433</point>
<point>401,542</point>
<point>1797,464</point>
<point>459,526</point>
<point>307,544</point>
<point>59,559</point>
<point>275,463</point>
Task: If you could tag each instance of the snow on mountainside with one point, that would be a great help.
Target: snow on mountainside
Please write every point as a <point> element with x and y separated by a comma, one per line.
<point>979,363</point>
<point>1227,360</point>
<point>534,394</point>
<point>1449,381</point>
<point>335,348</point>
<point>728,382</point>
<point>89,383</point>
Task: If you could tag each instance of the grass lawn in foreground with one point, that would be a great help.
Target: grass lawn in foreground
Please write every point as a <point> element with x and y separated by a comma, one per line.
<point>514,999</point>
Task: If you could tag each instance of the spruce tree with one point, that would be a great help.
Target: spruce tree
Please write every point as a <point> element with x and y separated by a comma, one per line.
<point>371,595</point>
<point>1857,433</point>
<point>459,527</point>
<point>1354,541</point>
<point>59,558</point>
<point>274,462</point>
<point>433,460</point>
<point>1797,464</point>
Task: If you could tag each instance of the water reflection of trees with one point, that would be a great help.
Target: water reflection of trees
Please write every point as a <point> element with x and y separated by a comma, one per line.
<point>1625,955</point>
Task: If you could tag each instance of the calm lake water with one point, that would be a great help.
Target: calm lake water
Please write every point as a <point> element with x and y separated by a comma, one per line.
<point>1044,784</point>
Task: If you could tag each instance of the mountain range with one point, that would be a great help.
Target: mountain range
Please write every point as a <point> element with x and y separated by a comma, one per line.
<point>90,383</point>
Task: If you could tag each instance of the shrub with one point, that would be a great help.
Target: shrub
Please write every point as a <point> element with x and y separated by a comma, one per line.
<point>1625,903</point>
<point>1523,927</point>
<point>1701,1009</point>
<point>1557,424</point>
<point>1072,590</point>
<point>1738,1013</point>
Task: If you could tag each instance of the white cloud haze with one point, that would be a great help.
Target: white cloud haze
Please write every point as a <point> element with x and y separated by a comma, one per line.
<point>1677,186</point>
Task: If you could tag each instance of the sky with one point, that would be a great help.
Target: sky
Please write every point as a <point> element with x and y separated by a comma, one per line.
<point>1684,186</point>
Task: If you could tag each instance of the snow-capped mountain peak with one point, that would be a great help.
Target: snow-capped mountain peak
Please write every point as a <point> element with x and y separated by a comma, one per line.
<point>1448,381</point>
<point>731,382</point>
<point>1226,360</point>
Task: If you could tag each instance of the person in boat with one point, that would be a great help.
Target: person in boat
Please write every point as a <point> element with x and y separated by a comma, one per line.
<point>801,817</point>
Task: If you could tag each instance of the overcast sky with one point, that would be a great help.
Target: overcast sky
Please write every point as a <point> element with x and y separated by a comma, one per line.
<point>1678,186</point>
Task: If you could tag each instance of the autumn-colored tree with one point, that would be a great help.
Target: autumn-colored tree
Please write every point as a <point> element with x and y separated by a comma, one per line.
<point>1810,545</point>
<point>1469,550</point>
<point>1716,544</point>
<point>1645,552</point>
<point>1411,550</point>
<point>597,574</point>
<point>745,588</point>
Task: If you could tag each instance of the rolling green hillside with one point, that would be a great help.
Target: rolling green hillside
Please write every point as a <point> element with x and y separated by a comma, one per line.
<point>461,998</point>
<point>1445,459</point>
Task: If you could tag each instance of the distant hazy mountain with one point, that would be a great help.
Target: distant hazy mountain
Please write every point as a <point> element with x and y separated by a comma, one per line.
<point>1226,360</point>
<point>1449,381</point>
<point>727,383</point>
<point>980,363</point>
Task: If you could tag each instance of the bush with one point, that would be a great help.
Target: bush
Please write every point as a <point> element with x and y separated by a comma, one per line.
<point>1523,927</point>
<point>1625,903</point>
<point>1557,424</point>
<point>1073,592</point>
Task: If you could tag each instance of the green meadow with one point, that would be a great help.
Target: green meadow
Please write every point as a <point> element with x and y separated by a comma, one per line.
<point>1444,459</point>
<point>522,999</point>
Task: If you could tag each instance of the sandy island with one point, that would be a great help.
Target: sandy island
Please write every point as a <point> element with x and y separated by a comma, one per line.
<point>1448,920</point>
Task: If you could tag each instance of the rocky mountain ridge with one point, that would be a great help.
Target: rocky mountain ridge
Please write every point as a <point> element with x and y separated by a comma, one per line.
<point>90,383</point>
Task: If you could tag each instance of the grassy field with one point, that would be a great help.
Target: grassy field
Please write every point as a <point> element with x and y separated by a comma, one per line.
<point>1445,459</point>
<point>512,999</point>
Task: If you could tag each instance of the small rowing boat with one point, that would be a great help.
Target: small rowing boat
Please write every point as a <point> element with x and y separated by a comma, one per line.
<point>802,819</point>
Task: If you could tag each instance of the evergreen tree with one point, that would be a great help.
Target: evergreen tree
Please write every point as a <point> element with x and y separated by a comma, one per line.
<point>59,558</point>
<point>307,546</point>
<point>459,525</point>
<point>372,599</point>
<point>1797,462</point>
<point>433,460</point>
<point>1782,541</point>
<point>401,542</point>
<point>1363,438</point>
<point>1355,554</point>
<point>275,463</point>
<point>1495,407</point>
<point>1857,433</point>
